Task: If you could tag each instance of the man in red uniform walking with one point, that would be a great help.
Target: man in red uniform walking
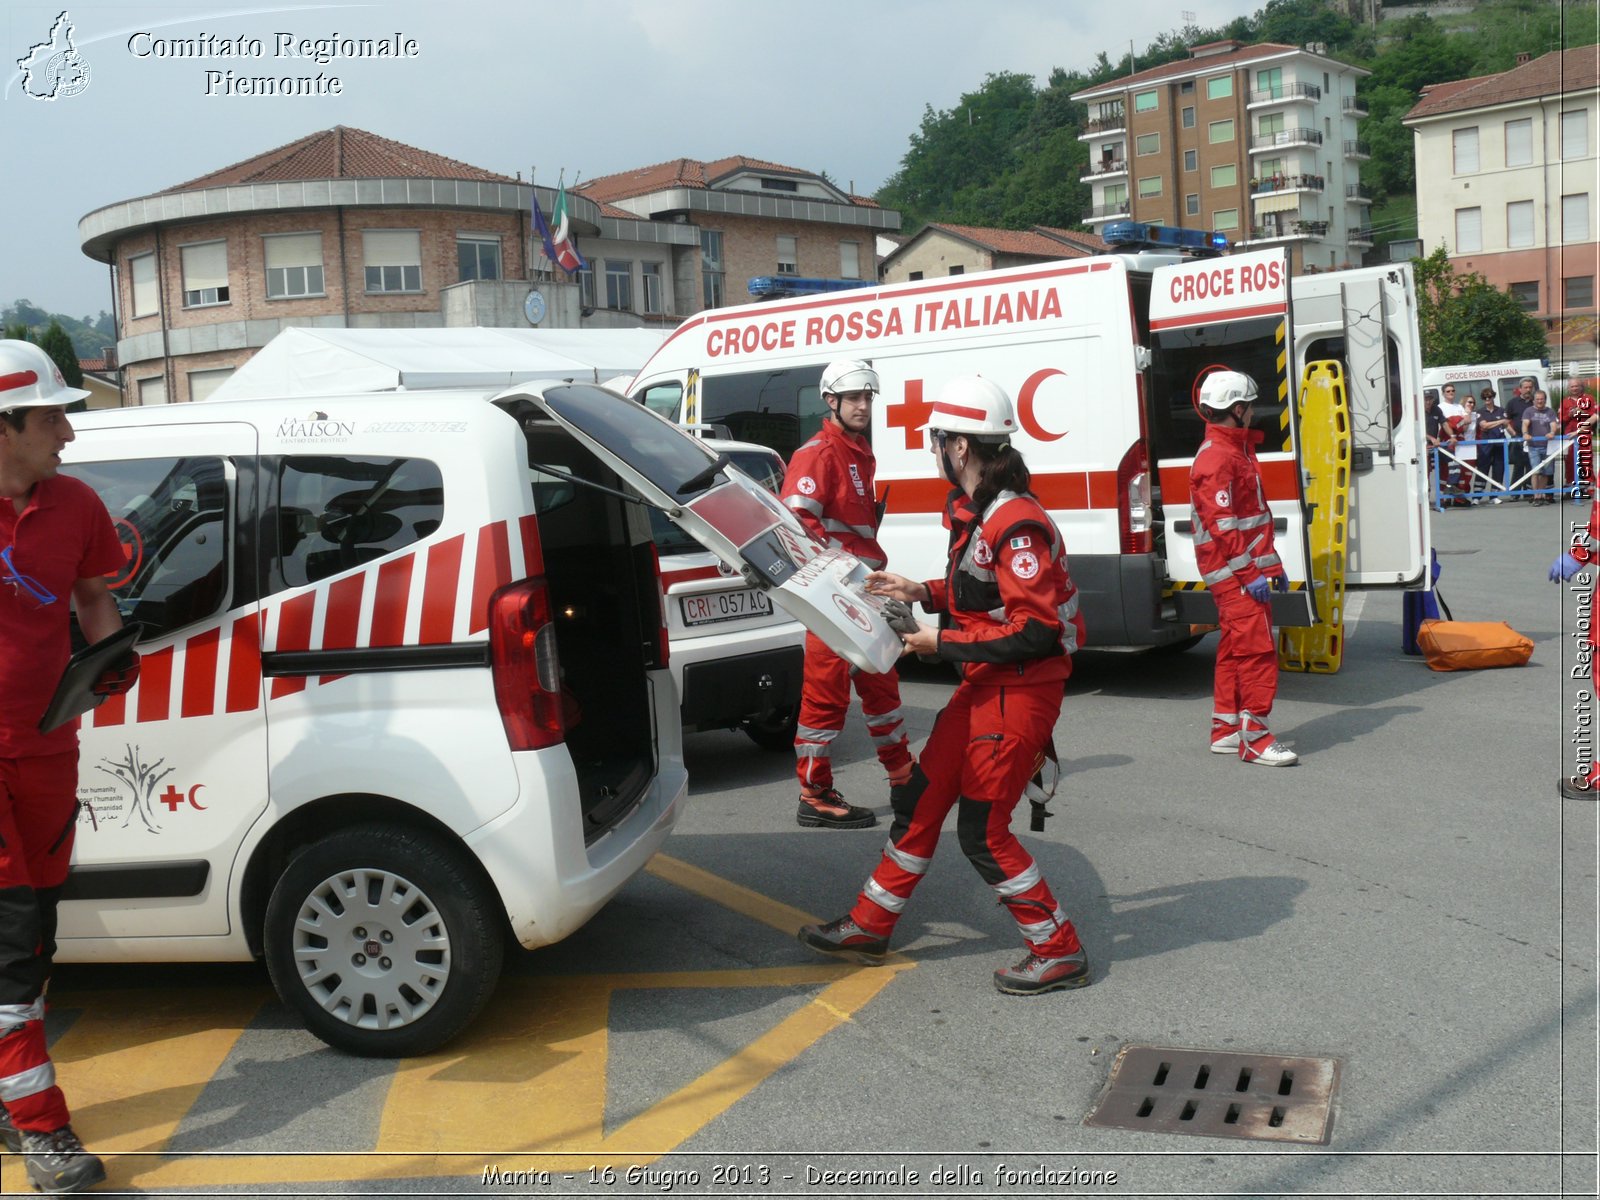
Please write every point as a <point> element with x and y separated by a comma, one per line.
<point>57,545</point>
<point>1234,549</point>
<point>830,487</point>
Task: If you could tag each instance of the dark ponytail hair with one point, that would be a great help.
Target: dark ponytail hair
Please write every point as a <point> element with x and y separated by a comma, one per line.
<point>1000,469</point>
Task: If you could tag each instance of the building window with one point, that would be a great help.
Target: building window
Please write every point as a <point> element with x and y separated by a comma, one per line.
<point>203,383</point>
<point>392,259</point>
<point>1577,291</point>
<point>1225,176</point>
<point>1519,142</point>
<point>650,280</point>
<point>780,185</point>
<point>1269,83</point>
<point>478,257</point>
<point>142,277</point>
<point>913,276</point>
<point>1115,197</point>
<point>1188,116</point>
<point>1525,294</point>
<point>1464,147</point>
<point>1186,88</point>
<point>1270,167</point>
<point>1149,186</point>
<point>1519,224</point>
<point>205,274</point>
<point>153,390</point>
<point>1191,160</point>
<point>1226,218</point>
<point>1191,204</point>
<point>1146,101</point>
<point>1575,218</point>
<point>619,284</point>
<point>1147,143</point>
<point>294,265</point>
<point>586,287</point>
<point>712,279</point>
<point>1269,123</point>
<point>958,269</point>
<point>1469,230</point>
<point>788,255</point>
<point>849,260</point>
<point>1220,131</point>
<point>1219,88</point>
<point>1574,135</point>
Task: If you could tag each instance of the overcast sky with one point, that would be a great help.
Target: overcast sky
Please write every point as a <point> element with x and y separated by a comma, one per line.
<point>592,86</point>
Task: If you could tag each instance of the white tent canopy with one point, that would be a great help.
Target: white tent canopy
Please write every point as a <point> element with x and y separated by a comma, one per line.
<point>324,362</point>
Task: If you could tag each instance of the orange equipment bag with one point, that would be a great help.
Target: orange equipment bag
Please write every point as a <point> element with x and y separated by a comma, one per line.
<point>1471,645</point>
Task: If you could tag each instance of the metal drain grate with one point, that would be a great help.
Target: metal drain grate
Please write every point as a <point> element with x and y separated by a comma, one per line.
<point>1258,1096</point>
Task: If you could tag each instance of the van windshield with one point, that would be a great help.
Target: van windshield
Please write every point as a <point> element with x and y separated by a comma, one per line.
<point>765,467</point>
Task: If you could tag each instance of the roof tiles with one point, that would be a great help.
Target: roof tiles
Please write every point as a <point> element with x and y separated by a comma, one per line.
<point>1560,71</point>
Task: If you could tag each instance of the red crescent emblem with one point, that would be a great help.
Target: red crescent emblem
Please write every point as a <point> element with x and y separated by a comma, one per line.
<point>132,553</point>
<point>1025,414</point>
<point>193,803</point>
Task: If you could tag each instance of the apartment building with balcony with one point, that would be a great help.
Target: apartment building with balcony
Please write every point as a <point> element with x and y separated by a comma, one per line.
<point>1260,143</point>
<point>1508,178</point>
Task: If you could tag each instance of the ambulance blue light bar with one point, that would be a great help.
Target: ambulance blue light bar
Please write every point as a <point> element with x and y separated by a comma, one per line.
<point>1129,235</point>
<point>773,287</point>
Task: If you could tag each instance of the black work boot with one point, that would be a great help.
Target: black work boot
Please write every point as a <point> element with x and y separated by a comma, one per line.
<point>827,809</point>
<point>57,1162</point>
<point>845,939</point>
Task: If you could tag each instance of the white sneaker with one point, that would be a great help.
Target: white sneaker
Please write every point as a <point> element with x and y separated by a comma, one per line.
<point>1227,744</point>
<point>1273,754</point>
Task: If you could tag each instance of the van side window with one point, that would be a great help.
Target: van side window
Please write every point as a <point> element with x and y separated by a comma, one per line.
<point>333,513</point>
<point>174,518</point>
<point>1374,429</point>
<point>663,398</point>
<point>781,409</point>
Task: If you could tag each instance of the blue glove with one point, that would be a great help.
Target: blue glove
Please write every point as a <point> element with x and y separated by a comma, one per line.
<point>1280,583</point>
<point>1564,567</point>
<point>1259,589</point>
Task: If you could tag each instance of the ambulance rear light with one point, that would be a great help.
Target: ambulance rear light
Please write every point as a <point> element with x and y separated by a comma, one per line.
<point>525,664</point>
<point>663,645</point>
<point>1133,501</point>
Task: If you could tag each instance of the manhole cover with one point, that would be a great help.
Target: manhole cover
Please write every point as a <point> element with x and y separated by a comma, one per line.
<point>1162,1090</point>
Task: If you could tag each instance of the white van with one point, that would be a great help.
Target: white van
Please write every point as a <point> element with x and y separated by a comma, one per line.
<point>405,687</point>
<point>1503,377</point>
<point>1102,356</point>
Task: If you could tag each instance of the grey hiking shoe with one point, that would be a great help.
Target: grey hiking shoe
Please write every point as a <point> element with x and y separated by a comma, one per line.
<point>10,1135</point>
<point>845,939</point>
<point>57,1162</point>
<point>1036,974</point>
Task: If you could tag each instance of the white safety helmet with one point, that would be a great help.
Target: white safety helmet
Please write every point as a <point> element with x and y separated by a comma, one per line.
<point>849,375</point>
<point>29,378</point>
<point>1223,389</point>
<point>974,407</point>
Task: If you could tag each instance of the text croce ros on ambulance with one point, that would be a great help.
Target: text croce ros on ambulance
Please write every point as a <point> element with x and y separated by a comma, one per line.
<point>1229,279</point>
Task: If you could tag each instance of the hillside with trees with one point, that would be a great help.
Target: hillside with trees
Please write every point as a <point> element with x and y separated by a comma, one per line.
<point>90,336</point>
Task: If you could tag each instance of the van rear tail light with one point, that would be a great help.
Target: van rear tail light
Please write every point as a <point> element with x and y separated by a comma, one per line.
<point>663,642</point>
<point>526,665</point>
<point>1133,501</point>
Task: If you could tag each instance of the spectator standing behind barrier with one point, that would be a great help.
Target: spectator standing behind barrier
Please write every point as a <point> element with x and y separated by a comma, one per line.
<point>1517,405</point>
<point>1466,449</point>
<point>1437,432</point>
<point>1493,429</point>
<point>1010,618</point>
<point>57,544</point>
<point>1578,417</point>
<point>1233,547</point>
<point>831,486</point>
<point>1451,473</point>
<point>1537,423</point>
<point>1583,551</point>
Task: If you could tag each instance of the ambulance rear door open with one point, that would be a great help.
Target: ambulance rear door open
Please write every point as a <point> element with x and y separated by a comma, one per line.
<point>1366,320</point>
<point>1225,313</point>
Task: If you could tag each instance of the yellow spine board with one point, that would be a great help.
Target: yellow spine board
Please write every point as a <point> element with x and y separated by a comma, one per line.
<point>1324,413</point>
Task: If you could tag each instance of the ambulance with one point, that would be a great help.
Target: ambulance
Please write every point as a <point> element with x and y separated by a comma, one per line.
<point>1503,377</point>
<point>1103,357</point>
<point>405,693</point>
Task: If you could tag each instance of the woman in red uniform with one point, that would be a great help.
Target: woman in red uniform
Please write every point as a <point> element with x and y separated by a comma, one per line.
<point>1009,616</point>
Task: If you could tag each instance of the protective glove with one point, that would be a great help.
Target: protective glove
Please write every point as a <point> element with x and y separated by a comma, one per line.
<point>115,680</point>
<point>1564,568</point>
<point>1280,583</point>
<point>1259,589</point>
<point>899,616</point>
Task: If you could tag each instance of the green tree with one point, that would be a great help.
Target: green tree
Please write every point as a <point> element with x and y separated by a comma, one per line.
<point>1465,319</point>
<point>58,346</point>
<point>16,331</point>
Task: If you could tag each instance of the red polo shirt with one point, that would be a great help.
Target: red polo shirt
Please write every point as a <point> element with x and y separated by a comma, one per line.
<point>64,535</point>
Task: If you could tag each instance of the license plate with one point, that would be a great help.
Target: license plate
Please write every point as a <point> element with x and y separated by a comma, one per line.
<point>710,607</point>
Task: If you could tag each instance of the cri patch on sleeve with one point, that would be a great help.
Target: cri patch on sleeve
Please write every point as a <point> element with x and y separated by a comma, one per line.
<point>1025,565</point>
<point>1223,499</point>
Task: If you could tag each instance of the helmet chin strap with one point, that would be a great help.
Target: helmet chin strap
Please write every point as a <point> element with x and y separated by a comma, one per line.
<point>950,473</point>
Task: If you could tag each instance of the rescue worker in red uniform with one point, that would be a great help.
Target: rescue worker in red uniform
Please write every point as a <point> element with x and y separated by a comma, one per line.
<point>57,545</point>
<point>831,487</point>
<point>1578,417</point>
<point>1583,552</point>
<point>1009,617</point>
<point>1234,550</point>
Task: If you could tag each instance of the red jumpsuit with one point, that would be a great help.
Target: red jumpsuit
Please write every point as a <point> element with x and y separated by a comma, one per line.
<point>1011,620</point>
<point>1232,546</point>
<point>62,536</point>
<point>830,487</point>
<point>1575,412</point>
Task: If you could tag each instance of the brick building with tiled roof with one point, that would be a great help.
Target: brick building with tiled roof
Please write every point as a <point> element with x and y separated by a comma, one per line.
<point>1508,179</point>
<point>942,249</point>
<point>754,218</point>
<point>347,229</point>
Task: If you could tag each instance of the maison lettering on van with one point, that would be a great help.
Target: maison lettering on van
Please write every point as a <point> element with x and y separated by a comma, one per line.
<point>881,321</point>
<point>314,426</point>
